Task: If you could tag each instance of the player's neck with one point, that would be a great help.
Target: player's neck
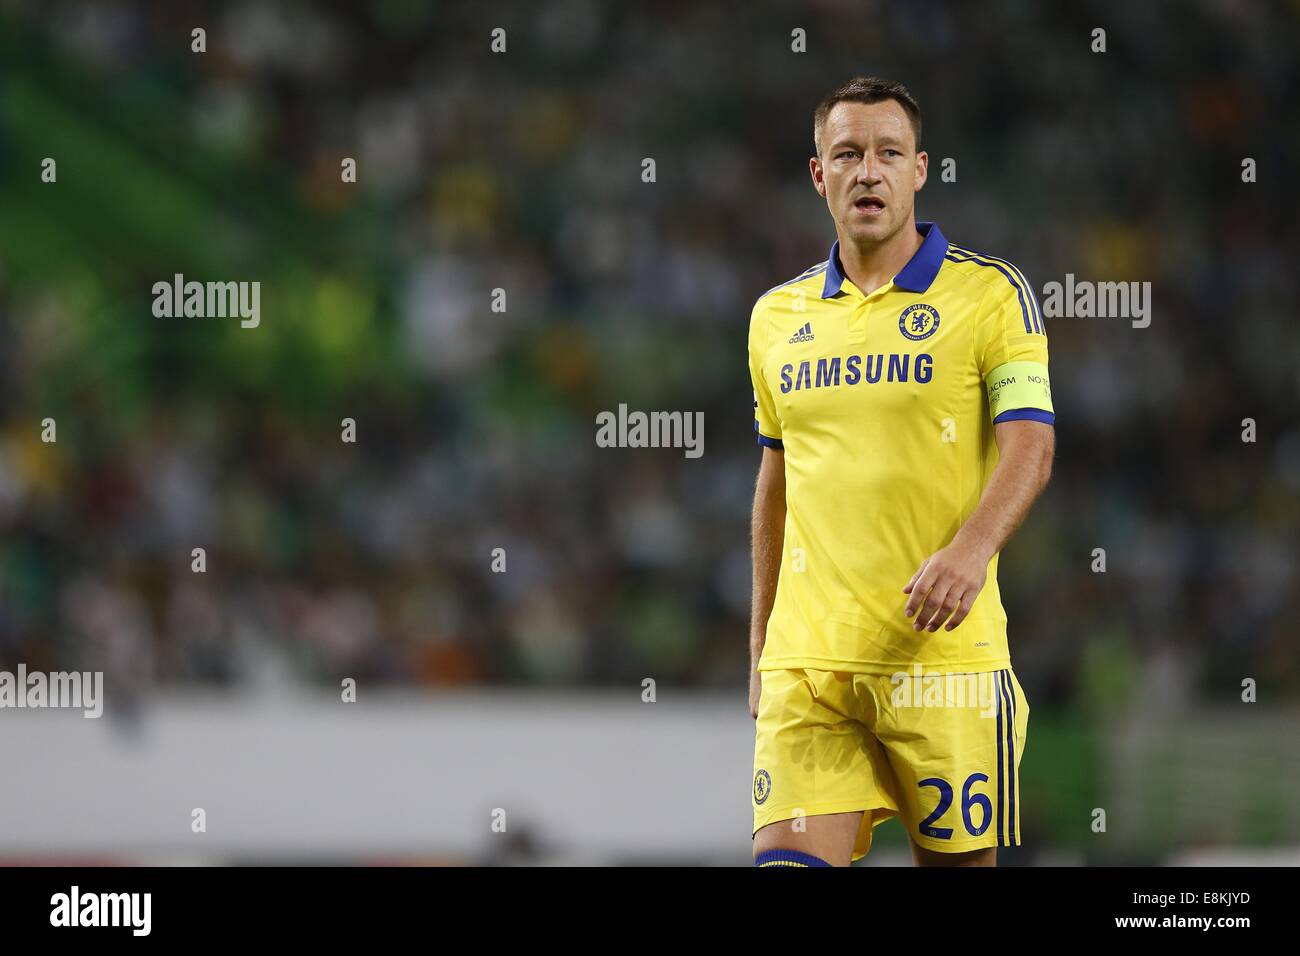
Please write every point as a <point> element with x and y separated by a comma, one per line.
<point>870,266</point>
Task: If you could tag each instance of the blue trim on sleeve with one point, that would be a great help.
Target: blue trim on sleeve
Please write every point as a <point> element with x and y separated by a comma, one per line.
<point>765,441</point>
<point>1026,414</point>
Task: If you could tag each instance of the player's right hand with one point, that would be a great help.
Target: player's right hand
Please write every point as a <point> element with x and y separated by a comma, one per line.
<point>755,690</point>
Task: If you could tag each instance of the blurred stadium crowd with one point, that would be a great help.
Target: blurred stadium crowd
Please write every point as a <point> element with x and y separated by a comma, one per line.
<point>522,171</point>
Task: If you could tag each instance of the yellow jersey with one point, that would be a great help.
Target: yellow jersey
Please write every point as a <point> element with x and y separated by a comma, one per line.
<point>883,405</point>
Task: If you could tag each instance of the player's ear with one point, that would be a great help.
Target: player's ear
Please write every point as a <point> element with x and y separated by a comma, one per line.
<point>922,169</point>
<point>819,181</point>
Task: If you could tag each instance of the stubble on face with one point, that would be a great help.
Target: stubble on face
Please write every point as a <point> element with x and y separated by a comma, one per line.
<point>868,162</point>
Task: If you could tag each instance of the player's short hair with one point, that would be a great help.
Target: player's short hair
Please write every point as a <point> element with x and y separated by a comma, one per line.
<point>867,89</point>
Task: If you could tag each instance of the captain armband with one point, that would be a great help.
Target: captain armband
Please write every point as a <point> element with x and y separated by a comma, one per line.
<point>1020,390</point>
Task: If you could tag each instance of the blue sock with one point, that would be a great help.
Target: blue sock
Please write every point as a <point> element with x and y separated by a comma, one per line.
<point>788,858</point>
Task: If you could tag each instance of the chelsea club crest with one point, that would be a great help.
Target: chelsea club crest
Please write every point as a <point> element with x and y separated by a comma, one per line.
<point>762,786</point>
<point>918,321</point>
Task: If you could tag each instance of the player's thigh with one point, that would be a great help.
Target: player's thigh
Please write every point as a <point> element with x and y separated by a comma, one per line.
<point>957,760</point>
<point>829,837</point>
<point>816,770</point>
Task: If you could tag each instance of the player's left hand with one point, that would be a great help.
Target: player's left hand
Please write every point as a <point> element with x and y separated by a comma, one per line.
<point>946,585</point>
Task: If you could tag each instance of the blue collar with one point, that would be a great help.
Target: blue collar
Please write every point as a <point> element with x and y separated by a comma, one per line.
<point>916,276</point>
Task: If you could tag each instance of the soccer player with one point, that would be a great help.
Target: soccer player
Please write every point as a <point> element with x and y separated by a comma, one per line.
<point>902,401</point>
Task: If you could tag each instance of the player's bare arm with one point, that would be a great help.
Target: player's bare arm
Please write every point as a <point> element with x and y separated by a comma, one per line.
<point>949,581</point>
<point>767,534</point>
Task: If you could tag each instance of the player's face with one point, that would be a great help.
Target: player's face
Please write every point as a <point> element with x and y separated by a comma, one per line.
<point>869,170</point>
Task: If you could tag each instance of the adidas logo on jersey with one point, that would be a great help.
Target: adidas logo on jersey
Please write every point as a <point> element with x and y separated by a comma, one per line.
<point>803,335</point>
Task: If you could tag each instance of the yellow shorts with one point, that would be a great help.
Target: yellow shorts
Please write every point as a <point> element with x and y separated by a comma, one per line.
<point>940,751</point>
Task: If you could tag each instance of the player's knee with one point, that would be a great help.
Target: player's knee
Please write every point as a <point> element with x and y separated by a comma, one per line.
<point>788,858</point>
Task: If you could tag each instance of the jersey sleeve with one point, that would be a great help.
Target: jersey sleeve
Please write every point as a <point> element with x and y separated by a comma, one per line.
<point>767,429</point>
<point>1012,351</point>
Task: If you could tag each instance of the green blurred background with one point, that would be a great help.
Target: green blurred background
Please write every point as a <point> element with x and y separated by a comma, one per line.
<point>522,171</point>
